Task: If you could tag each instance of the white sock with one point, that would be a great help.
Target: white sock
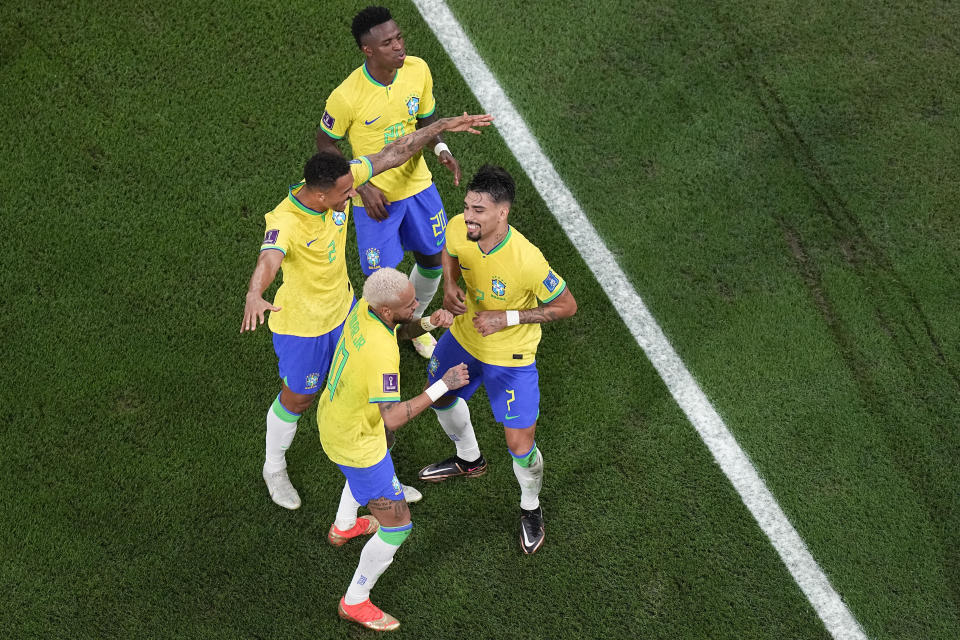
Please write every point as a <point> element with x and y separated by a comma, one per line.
<point>347,511</point>
<point>425,288</point>
<point>280,432</point>
<point>530,479</point>
<point>374,560</point>
<point>455,421</point>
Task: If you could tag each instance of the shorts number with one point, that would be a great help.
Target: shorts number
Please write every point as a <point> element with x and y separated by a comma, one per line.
<point>512,398</point>
<point>439,223</point>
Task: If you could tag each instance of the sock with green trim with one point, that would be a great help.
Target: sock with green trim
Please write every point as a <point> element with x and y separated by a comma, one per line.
<point>529,471</point>
<point>425,284</point>
<point>281,427</point>
<point>376,556</point>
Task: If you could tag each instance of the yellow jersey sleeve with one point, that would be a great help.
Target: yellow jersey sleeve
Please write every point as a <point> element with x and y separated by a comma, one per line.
<point>428,105</point>
<point>541,279</point>
<point>281,232</point>
<point>362,171</point>
<point>456,235</point>
<point>338,114</point>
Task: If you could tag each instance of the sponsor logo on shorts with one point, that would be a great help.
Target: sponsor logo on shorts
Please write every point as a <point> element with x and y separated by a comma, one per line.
<point>373,257</point>
<point>391,382</point>
<point>498,286</point>
<point>271,236</point>
<point>551,281</point>
<point>339,217</point>
<point>397,488</point>
<point>312,380</point>
<point>327,120</point>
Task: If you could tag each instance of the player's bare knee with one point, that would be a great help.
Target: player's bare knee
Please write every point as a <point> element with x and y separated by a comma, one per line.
<point>520,441</point>
<point>295,402</point>
<point>390,513</point>
<point>428,262</point>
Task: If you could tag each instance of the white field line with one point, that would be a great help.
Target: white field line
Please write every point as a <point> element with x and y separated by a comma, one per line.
<point>732,460</point>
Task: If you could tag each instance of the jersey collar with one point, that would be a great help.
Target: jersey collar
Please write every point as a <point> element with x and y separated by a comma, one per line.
<point>500,245</point>
<point>302,206</point>
<point>370,77</point>
<point>393,331</point>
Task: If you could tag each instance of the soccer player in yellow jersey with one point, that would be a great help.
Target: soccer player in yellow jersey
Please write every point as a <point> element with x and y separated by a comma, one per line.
<point>362,395</point>
<point>305,233</point>
<point>510,290</point>
<point>389,95</point>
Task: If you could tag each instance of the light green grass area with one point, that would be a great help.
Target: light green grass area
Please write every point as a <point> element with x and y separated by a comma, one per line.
<point>775,181</point>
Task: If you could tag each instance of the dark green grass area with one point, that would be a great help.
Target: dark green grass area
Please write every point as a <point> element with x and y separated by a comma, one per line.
<point>143,143</point>
<point>786,174</point>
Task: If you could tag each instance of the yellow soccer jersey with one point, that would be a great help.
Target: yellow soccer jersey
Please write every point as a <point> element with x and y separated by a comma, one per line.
<point>514,275</point>
<point>315,295</point>
<point>372,115</point>
<point>364,372</point>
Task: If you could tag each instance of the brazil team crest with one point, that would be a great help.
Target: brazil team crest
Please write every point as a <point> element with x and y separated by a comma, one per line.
<point>413,105</point>
<point>499,287</point>
<point>312,380</point>
<point>339,217</point>
<point>397,488</point>
<point>433,365</point>
<point>373,257</point>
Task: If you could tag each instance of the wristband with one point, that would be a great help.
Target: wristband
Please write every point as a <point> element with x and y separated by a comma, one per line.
<point>513,317</point>
<point>436,390</point>
<point>440,148</point>
<point>426,325</point>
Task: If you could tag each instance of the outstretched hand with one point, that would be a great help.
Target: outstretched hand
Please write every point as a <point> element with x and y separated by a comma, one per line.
<point>447,160</point>
<point>467,122</point>
<point>253,310</point>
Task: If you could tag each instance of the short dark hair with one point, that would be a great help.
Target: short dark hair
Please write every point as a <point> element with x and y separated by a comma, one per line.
<point>495,182</point>
<point>368,19</point>
<point>324,168</point>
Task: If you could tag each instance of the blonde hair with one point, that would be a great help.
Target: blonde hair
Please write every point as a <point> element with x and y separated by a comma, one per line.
<point>384,287</point>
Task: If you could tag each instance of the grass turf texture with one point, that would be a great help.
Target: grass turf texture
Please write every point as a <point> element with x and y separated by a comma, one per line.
<point>790,228</point>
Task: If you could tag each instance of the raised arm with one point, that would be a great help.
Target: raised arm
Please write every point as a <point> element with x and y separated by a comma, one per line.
<point>404,148</point>
<point>397,414</point>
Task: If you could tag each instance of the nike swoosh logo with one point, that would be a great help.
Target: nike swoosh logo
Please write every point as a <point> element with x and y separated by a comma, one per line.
<point>312,241</point>
<point>369,122</point>
<point>465,268</point>
<point>511,417</point>
<point>526,541</point>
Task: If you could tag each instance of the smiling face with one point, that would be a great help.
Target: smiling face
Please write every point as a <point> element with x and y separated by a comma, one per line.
<point>336,197</point>
<point>403,308</point>
<point>384,47</point>
<point>484,217</point>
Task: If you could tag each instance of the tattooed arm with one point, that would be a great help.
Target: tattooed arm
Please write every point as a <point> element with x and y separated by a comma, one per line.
<point>563,306</point>
<point>397,414</point>
<point>441,319</point>
<point>402,149</point>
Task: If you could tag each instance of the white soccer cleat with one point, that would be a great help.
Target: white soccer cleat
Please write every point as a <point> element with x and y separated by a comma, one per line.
<point>411,494</point>
<point>424,346</point>
<point>281,489</point>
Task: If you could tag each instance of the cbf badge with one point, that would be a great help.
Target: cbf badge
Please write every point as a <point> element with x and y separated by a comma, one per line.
<point>312,380</point>
<point>433,366</point>
<point>397,489</point>
<point>339,217</point>
<point>413,105</point>
<point>498,287</point>
<point>373,257</point>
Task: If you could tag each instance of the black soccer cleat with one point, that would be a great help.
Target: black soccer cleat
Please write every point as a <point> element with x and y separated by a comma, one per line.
<point>531,530</point>
<point>453,467</point>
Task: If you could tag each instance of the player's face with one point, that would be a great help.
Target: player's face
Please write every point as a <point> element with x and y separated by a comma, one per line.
<point>342,190</point>
<point>384,45</point>
<point>483,216</point>
<point>406,305</point>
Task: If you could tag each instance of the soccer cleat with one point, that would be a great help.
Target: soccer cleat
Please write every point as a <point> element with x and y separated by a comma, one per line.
<point>365,525</point>
<point>453,467</point>
<point>367,614</point>
<point>531,530</point>
<point>281,490</point>
<point>411,494</point>
<point>424,345</point>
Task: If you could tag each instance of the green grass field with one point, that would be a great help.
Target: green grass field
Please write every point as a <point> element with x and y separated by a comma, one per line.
<point>777,179</point>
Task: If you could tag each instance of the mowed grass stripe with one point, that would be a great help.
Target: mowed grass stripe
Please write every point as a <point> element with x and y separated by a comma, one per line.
<point>728,454</point>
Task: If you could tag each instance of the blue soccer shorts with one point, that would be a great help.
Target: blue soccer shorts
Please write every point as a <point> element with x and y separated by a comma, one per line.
<point>304,362</point>
<point>417,223</point>
<point>514,392</point>
<point>370,483</point>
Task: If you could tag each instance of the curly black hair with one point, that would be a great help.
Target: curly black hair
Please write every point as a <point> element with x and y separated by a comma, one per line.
<point>495,182</point>
<point>324,168</point>
<point>368,19</point>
